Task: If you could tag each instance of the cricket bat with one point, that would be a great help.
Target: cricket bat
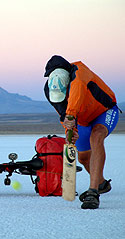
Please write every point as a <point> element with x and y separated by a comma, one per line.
<point>69,170</point>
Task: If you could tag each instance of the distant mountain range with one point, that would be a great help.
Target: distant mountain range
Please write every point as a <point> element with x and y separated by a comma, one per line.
<point>16,104</point>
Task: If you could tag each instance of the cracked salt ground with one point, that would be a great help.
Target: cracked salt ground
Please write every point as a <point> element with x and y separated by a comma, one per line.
<point>27,215</point>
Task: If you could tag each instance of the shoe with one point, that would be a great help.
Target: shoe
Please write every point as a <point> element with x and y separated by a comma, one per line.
<point>105,186</point>
<point>90,199</point>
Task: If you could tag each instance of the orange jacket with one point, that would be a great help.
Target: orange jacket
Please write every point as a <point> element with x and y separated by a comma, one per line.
<point>89,96</point>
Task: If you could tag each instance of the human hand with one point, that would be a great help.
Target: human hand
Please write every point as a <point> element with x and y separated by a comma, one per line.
<point>69,123</point>
<point>74,137</point>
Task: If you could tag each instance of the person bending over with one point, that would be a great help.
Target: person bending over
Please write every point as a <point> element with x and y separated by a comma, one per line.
<point>74,90</point>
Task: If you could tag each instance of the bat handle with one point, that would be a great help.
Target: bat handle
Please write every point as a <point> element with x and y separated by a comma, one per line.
<point>70,131</point>
<point>70,135</point>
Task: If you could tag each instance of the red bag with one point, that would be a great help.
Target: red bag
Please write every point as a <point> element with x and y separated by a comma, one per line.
<point>49,178</point>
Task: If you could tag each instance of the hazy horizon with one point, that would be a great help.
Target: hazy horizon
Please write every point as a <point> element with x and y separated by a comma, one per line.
<point>38,99</point>
<point>91,31</point>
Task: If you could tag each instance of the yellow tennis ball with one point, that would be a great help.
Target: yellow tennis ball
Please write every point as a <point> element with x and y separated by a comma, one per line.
<point>16,185</point>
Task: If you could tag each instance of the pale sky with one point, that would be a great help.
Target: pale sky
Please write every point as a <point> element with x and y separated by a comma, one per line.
<point>31,31</point>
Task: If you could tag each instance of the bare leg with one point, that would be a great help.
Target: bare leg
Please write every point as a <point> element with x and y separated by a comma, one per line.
<point>97,158</point>
<point>94,159</point>
<point>84,159</point>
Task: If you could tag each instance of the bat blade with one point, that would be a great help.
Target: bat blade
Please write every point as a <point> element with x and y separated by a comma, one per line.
<point>69,172</point>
